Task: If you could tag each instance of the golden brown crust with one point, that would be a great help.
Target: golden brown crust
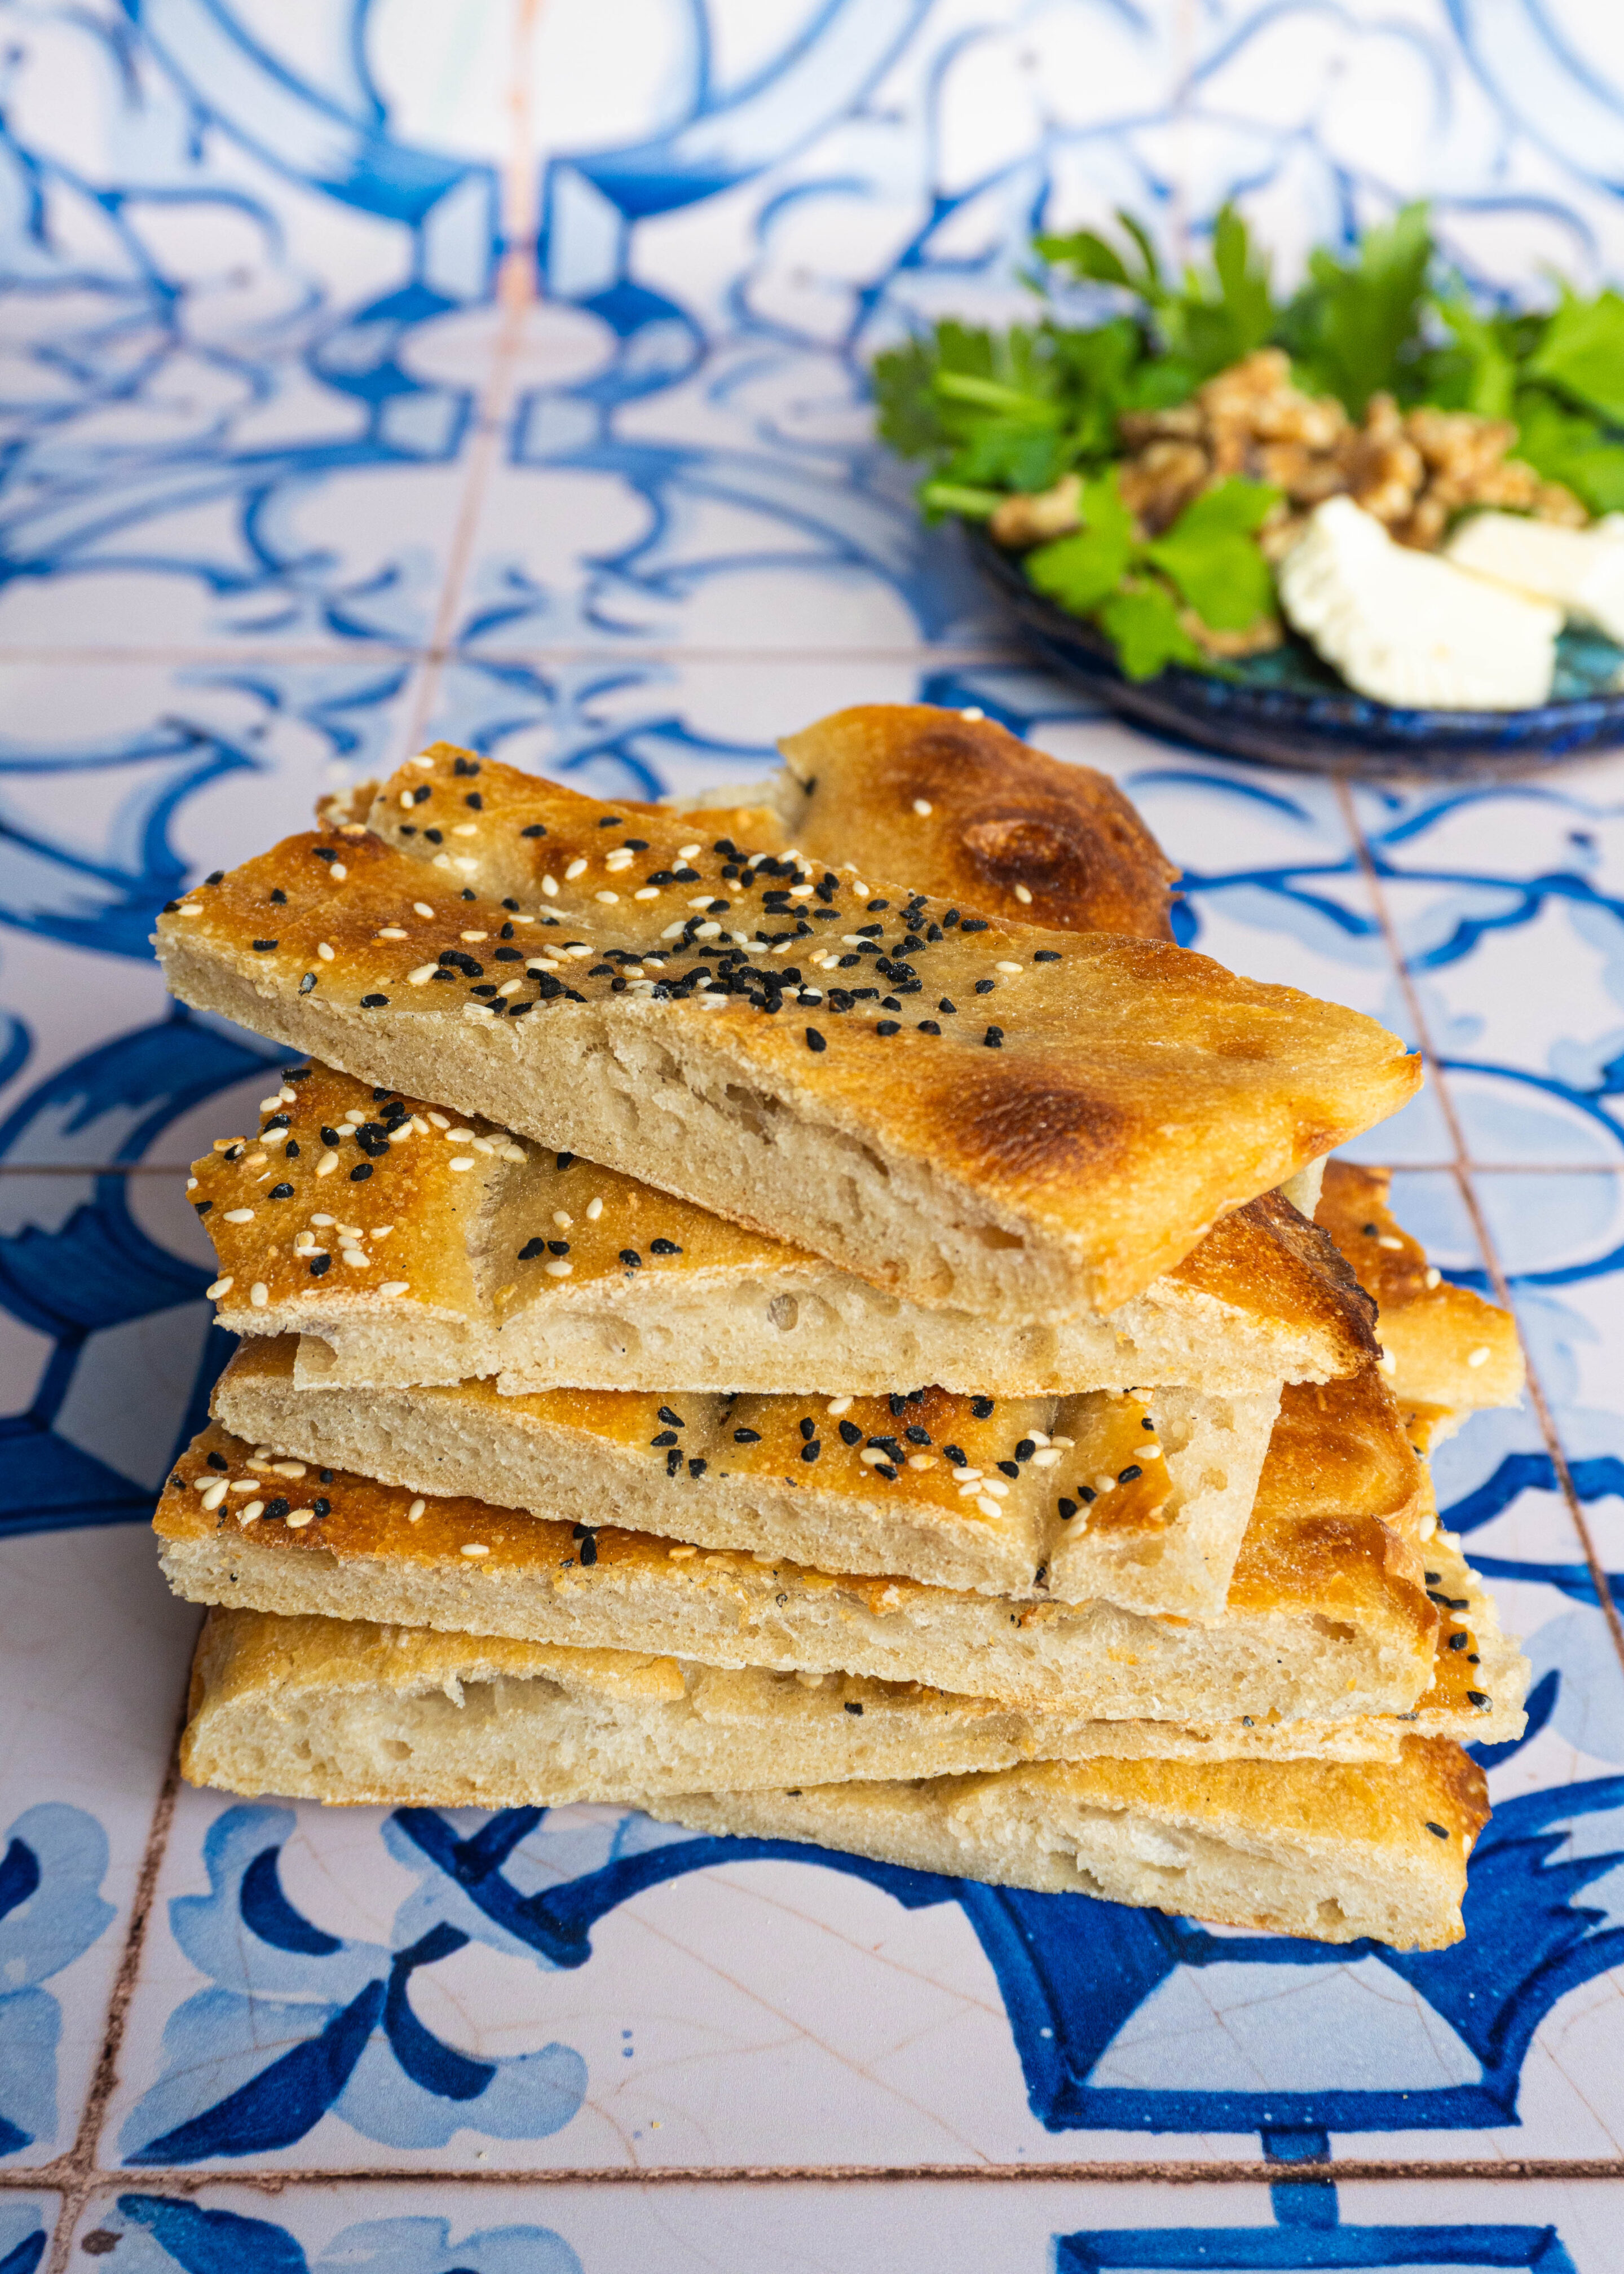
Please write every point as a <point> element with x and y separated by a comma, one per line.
<point>1445,1346</point>
<point>1340,1448</point>
<point>1135,1095</point>
<point>1004,828</point>
<point>1268,1258</point>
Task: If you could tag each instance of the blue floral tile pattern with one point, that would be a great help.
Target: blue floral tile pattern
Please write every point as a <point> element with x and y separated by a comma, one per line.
<point>376,372</point>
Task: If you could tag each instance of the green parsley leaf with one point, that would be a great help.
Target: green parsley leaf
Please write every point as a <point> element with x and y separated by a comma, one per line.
<point>1583,353</point>
<point>1480,373</point>
<point>1142,620</point>
<point>1570,447</point>
<point>1081,571</point>
<point>1211,553</point>
<point>1354,329</point>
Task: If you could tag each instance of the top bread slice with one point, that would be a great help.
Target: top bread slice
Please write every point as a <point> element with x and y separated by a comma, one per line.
<point>412,1248</point>
<point>1067,1130</point>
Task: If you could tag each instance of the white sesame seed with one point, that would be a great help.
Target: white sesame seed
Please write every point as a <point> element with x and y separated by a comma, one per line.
<point>542,963</point>
<point>326,1165</point>
<point>646,892</point>
<point>477,1011</point>
<point>355,1260</point>
<point>559,1267</point>
<point>562,1218</point>
<point>1023,896</point>
<point>461,1161</point>
<point>801,892</point>
<point>1008,966</point>
<point>610,899</point>
<point>1479,1357</point>
<point>192,1184</point>
<point>711,1002</point>
<point>239,1215</point>
<point>458,1136</point>
<point>422,976</point>
<point>254,1161</point>
<point>988,1506</point>
<point>922,1460</point>
<point>270,1104</point>
<point>1386,1239</point>
<point>594,1209</point>
<point>510,987</point>
<point>973,712</point>
<point>441,860</point>
<point>472,1548</point>
<point>1067,1442</point>
<point>324,952</point>
<point>672,931</point>
<point>213,1494</point>
<point>922,807</point>
<point>620,858</point>
<point>702,902</point>
<point>191,909</point>
<point>390,932</point>
<point>337,871</point>
<point>577,951</point>
<point>322,1219</point>
<point>1434,1276</point>
<point>549,885</point>
<point>512,1152</point>
<point>297,1518</point>
<point>394,1286</point>
<point>1046,1458</point>
<point>380,1231</point>
<point>465,828</point>
<point>466,863</point>
<point>483,1145</point>
<point>251,1512</point>
<point>422,908</point>
<point>258,1294</point>
<point>709,931</point>
<point>303,1240</point>
<point>996,1487</point>
<point>577,868</point>
<point>681,1555</point>
<point>838,1406</point>
<point>687,852</point>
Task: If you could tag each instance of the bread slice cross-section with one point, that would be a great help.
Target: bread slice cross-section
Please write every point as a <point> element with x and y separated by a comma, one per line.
<point>965,1112</point>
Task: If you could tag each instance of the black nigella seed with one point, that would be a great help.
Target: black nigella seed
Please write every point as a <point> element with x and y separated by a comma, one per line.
<point>564,1160</point>
<point>1433,1578</point>
<point>994,1038</point>
<point>850,1433</point>
<point>981,1407</point>
<point>373,1002</point>
<point>325,1476</point>
<point>1477,1697</point>
<point>558,1247</point>
<point>215,877</point>
<point>319,1266</point>
<point>814,1040</point>
<point>949,1009</point>
<point>263,946</point>
<point>973,923</point>
<point>1437,1830</point>
<point>361,1171</point>
<point>1068,1510</point>
<point>279,898</point>
<point>673,1462</point>
<point>853,1707</point>
<point>275,1510</point>
<point>630,1258</point>
<point>290,1150</point>
<point>808,1429</point>
<point>956,1454</point>
<point>329,1136</point>
<point>698,1465</point>
<point>588,1550</point>
<point>474,800</point>
<point>1026,1449</point>
<point>321,1507</point>
<point>1009,1468</point>
<point>1132,1473</point>
<point>746,1436</point>
<point>328,852</point>
<point>532,1248</point>
<point>1045,955</point>
<point>536,829</point>
<point>985,986</point>
<point>671,1420</point>
<point>281,1193</point>
<point>466,766</point>
<point>1086,1493</point>
<point>917,1436</point>
<point>810,1452</point>
<point>218,1461</point>
<point>886,1027</point>
<point>202,1206</point>
<point>884,1469</point>
<point>1459,1641</point>
<point>468,893</point>
<point>663,1247</point>
<point>928,1027</point>
<point>666,1437</point>
<point>435,836</point>
<point>307,982</point>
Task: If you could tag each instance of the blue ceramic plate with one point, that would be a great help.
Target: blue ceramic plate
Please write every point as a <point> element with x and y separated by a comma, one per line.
<point>1287,709</point>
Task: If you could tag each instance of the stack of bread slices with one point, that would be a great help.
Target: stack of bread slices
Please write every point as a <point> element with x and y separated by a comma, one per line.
<point>825,1358</point>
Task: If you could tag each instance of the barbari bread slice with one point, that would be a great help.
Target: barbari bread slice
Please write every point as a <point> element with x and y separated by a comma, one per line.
<point>344,1711</point>
<point>1066,1131</point>
<point>1327,1617</point>
<point>1302,1848</point>
<point>1021,1497</point>
<point>1027,1498</point>
<point>415,1247</point>
<point>1446,1352</point>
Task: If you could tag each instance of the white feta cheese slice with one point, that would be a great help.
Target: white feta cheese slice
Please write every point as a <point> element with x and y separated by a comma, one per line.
<point>1412,628</point>
<point>1582,570</point>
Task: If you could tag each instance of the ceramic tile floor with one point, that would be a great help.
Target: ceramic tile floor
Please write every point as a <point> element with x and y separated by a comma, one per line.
<point>291,485</point>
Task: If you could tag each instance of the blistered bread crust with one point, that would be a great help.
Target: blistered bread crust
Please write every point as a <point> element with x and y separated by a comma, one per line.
<point>960,809</point>
<point>1085,1115</point>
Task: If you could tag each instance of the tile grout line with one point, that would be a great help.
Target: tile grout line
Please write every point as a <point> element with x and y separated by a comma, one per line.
<point>78,2173</point>
<point>1464,1180</point>
<point>190,2180</point>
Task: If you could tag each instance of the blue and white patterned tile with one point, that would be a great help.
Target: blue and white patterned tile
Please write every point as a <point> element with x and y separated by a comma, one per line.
<point>93,1660</point>
<point>27,2222</point>
<point>1549,2226</point>
<point>117,785</point>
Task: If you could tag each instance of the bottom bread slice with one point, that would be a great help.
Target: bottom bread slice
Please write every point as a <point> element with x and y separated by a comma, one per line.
<point>1330,1852</point>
